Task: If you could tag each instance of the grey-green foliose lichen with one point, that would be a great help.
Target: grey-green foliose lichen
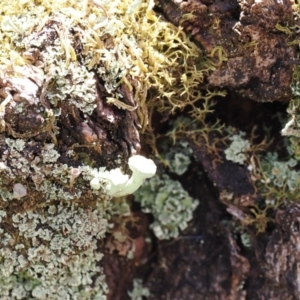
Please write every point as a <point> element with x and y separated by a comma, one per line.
<point>171,206</point>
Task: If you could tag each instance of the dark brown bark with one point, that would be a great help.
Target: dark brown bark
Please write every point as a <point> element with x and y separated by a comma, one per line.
<point>257,58</point>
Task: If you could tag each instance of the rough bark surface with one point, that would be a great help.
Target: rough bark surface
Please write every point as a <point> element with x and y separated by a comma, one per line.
<point>252,56</point>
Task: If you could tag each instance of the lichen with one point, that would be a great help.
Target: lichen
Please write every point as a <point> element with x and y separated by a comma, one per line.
<point>138,292</point>
<point>275,176</point>
<point>169,203</point>
<point>47,246</point>
<point>237,149</point>
<point>177,157</point>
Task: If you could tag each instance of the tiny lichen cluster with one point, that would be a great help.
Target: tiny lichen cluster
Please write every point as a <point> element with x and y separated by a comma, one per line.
<point>138,292</point>
<point>281,173</point>
<point>275,178</point>
<point>177,157</point>
<point>169,203</point>
<point>280,179</point>
<point>237,149</point>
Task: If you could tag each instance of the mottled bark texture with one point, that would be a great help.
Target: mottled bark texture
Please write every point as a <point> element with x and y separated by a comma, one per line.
<point>252,54</point>
<point>282,256</point>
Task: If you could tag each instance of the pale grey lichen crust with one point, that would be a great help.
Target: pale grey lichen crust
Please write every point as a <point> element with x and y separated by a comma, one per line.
<point>43,258</point>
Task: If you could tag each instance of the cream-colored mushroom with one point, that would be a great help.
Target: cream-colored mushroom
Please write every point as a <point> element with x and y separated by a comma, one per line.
<point>119,184</point>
